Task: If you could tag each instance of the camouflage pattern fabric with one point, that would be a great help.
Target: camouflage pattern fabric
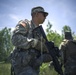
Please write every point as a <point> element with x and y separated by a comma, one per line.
<point>25,59</point>
<point>70,67</point>
<point>69,56</point>
<point>22,61</point>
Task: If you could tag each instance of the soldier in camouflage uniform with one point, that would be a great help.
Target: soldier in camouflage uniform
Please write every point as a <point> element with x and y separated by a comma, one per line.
<point>68,48</point>
<point>30,51</point>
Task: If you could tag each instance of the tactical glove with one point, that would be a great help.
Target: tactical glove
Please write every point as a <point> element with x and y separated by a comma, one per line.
<point>39,45</point>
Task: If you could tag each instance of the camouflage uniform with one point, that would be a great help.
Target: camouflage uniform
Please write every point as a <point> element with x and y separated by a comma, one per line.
<point>27,59</point>
<point>68,48</point>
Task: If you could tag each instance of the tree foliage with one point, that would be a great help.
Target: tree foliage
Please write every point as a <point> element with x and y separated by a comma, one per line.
<point>53,35</point>
<point>5,43</point>
<point>68,28</point>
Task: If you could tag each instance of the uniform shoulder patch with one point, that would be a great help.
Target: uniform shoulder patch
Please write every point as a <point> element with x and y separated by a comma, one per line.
<point>23,22</point>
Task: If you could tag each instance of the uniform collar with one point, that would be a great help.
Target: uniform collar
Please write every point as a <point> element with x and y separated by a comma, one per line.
<point>33,24</point>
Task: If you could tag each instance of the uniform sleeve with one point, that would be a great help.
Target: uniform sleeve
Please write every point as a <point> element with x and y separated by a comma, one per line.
<point>19,38</point>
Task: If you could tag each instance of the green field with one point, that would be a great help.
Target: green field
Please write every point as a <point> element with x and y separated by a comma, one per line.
<point>5,69</point>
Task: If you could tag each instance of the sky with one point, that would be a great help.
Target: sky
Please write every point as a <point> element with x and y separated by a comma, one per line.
<point>61,12</point>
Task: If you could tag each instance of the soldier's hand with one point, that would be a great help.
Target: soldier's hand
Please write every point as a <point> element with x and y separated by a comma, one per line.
<point>39,45</point>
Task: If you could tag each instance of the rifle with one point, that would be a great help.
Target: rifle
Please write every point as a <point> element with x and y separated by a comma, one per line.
<point>52,50</point>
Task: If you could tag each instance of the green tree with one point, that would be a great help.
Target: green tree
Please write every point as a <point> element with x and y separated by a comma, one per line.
<point>5,43</point>
<point>53,35</point>
<point>64,29</point>
<point>74,35</point>
<point>67,28</point>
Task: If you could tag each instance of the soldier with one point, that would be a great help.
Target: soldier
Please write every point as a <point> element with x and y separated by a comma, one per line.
<point>30,51</point>
<point>68,48</point>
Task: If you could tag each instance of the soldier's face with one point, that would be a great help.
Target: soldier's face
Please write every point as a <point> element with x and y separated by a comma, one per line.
<point>41,17</point>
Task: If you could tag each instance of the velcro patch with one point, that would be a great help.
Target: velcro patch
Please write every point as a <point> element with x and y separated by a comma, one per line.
<point>23,23</point>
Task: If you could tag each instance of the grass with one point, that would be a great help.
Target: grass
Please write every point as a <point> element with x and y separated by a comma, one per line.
<point>46,70</point>
<point>5,69</point>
